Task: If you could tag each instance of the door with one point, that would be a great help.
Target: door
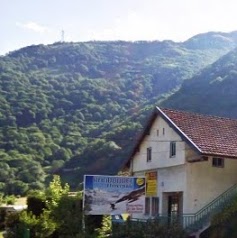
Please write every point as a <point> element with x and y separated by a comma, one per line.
<point>175,204</point>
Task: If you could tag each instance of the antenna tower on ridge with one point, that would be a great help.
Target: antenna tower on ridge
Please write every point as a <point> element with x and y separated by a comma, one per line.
<point>62,36</point>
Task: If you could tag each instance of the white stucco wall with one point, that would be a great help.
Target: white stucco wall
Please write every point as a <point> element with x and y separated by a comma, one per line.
<point>205,182</point>
<point>160,144</point>
<point>172,179</point>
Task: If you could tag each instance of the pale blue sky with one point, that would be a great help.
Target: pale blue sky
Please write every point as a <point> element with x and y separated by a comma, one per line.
<point>27,22</point>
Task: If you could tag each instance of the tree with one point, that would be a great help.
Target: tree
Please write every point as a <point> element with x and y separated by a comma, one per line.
<point>16,187</point>
<point>69,216</point>
<point>41,221</point>
<point>55,192</point>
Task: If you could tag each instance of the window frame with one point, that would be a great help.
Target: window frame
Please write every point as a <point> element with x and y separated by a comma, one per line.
<point>149,154</point>
<point>152,206</point>
<point>172,149</point>
<point>147,205</point>
<point>218,162</point>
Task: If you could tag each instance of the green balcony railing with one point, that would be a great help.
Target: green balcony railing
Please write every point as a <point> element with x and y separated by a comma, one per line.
<point>197,221</point>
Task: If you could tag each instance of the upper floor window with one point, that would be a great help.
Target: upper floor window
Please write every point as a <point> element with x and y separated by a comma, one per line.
<point>172,149</point>
<point>163,131</point>
<point>149,154</point>
<point>218,162</point>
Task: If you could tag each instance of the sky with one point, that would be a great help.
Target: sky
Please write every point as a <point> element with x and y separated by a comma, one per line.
<point>31,22</point>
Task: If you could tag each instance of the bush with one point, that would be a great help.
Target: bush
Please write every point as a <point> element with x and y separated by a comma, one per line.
<point>10,200</point>
<point>35,204</point>
<point>148,229</point>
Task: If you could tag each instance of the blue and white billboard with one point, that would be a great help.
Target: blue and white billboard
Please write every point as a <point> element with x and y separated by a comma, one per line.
<point>107,195</point>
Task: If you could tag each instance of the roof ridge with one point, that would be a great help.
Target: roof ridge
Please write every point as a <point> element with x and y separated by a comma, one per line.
<point>198,114</point>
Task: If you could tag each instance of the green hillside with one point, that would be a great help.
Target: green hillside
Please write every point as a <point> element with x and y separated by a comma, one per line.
<point>213,91</point>
<point>75,108</point>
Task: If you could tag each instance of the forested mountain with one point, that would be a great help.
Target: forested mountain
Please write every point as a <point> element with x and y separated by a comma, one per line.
<point>213,91</point>
<point>74,108</point>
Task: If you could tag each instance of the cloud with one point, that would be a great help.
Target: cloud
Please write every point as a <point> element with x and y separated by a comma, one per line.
<point>33,26</point>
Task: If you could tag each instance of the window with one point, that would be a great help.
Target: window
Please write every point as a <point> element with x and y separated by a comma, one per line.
<point>154,206</point>
<point>148,159</point>
<point>172,149</point>
<point>218,162</point>
<point>157,132</point>
<point>147,206</point>
<point>163,131</point>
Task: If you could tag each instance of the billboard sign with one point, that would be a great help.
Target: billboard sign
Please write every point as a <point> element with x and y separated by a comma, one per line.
<point>109,195</point>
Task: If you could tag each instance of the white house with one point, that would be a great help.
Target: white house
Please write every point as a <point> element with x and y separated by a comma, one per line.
<point>191,158</point>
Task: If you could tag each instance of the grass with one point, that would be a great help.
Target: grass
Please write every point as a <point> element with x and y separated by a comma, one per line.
<point>20,201</point>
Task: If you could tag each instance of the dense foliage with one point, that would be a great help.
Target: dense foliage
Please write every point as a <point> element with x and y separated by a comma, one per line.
<point>60,215</point>
<point>148,229</point>
<point>73,108</point>
<point>213,91</point>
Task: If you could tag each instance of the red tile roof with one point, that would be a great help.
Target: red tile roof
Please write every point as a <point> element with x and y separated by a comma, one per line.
<point>209,134</point>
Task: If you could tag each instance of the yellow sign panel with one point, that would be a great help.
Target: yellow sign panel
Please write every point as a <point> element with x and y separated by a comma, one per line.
<point>151,183</point>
